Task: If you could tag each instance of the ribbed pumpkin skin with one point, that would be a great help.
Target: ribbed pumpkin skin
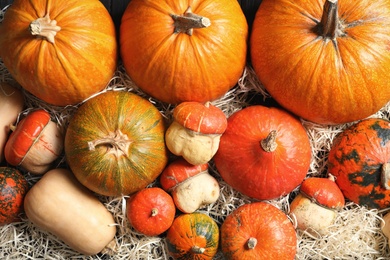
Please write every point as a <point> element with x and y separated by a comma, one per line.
<point>189,230</point>
<point>356,160</point>
<point>247,167</point>
<point>79,63</point>
<point>311,77</point>
<point>133,161</point>
<point>176,67</point>
<point>274,232</point>
<point>13,188</point>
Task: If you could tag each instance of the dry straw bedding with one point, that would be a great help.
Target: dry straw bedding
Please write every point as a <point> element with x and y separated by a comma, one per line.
<point>355,235</point>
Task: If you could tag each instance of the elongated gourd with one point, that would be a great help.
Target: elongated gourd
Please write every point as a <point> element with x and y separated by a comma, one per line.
<point>59,204</point>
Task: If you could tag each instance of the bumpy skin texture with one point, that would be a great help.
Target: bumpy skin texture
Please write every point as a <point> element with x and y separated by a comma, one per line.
<point>325,79</point>
<point>359,160</point>
<point>175,66</point>
<point>79,62</point>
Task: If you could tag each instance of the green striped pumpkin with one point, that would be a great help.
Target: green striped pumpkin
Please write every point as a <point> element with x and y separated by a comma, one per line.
<point>114,143</point>
<point>193,236</point>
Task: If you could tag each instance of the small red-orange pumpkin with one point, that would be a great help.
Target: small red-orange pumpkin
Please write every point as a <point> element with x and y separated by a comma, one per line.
<point>184,50</point>
<point>150,211</point>
<point>61,51</point>
<point>258,231</point>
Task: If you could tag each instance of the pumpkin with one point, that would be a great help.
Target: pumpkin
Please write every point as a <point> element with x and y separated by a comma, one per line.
<point>35,143</point>
<point>11,105</point>
<point>60,51</point>
<point>193,236</point>
<point>115,144</point>
<point>326,61</point>
<point>385,226</point>
<point>150,211</point>
<point>315,207</point>
<point>360,161</point>
<point>264,153</point>
<point>191,186</point>
<point>13,188</point>
<point>258,231</point>
<point>192,51</point>
<point>195,131</point>
<point>60,205</point>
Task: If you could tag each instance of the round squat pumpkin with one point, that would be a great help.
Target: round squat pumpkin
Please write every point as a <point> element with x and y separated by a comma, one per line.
<point>61,51</point>
<point>193,236</point>
<point>258,231</point>
<point>360,161</point>
<point>114,143</point>
<point>181,50</point>
<point>13,189</point>
<point>264,153</point>
<point>324,60</point>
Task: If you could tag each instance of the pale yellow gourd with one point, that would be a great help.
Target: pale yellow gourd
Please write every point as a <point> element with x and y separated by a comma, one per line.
<point>60,205</point>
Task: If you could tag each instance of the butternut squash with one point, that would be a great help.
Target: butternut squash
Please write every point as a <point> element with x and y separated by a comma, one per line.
<point>60,205</point>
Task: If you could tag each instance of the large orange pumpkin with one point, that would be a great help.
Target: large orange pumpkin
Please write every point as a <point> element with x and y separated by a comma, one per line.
<point>114,143</point>
<point>184,50</point>
<point>61,51</point>
<point>324,60</point>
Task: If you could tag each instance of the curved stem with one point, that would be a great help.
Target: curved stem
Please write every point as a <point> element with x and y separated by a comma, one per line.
<point>116,142</point>
<point>188,21</point>
<point>330,19</point>
<point>45,27</point>
<point>269,143</point>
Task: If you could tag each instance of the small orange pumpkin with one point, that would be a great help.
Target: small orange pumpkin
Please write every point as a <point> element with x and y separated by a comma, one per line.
<point>193,236</point>
<point>184,50</point>
<point>360,161</point>
<point>61,51</point>
<point>258,231</point>
<point>150,211</point>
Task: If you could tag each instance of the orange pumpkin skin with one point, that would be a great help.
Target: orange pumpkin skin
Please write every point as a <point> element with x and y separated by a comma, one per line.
<point>358,158</point>
<point>323,80</point>
<point>13,189</point>
<point>257,172</point>
<point>193,236</point>
<point>150,211</point>
<point>114,143</point>
<point>258,231</point>
<point>174,66</point>
<point>81,60</point>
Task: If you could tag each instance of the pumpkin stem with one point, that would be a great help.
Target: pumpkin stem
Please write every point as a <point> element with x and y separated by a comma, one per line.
<point>188,21</point>
<point>154,212</point>
<point>330,23</point>
<point>386,175</point>
<point>198,250</point>
<point>45,27</point>
<point>252,242</point>
<point>117,143</point>
<point>269,143</point>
